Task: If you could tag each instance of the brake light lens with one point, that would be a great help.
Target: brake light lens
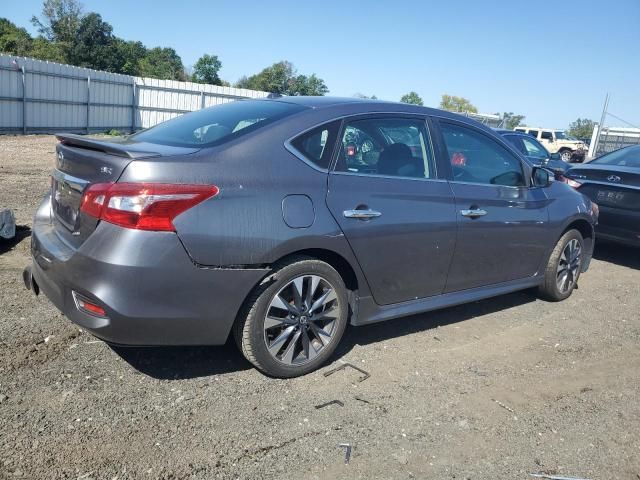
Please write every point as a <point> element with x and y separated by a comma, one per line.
<point>143,206</point>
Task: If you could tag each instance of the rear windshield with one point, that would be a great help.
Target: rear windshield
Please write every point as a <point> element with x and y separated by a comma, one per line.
<point>216,125</point>
<point>625,157</point>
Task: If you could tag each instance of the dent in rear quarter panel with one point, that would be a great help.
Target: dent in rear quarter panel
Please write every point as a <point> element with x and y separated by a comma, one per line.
<point>243,226</point>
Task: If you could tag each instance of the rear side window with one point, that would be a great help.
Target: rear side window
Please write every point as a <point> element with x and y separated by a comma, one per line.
<point>317,145</point>
<point>547,136</point>
<point>216,125</point>
<point>533,133</point>
<point>389,146</point>
<point>476,158</point>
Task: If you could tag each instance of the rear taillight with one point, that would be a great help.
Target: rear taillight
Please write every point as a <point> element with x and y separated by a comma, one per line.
<point>569,181</point>
<point>143,206</point>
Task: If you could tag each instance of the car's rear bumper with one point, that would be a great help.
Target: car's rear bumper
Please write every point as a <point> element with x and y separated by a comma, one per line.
<point>152,292</point>
<point>618,225</point>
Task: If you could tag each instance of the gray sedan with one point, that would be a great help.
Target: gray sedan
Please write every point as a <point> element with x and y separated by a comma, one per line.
<point>281,221</point>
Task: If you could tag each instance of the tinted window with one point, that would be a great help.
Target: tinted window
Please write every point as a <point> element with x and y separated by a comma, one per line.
<point>477,158</point>
<point>534,149</point>
<point>533,133</point>
<point>547,136</point>
<point>516,141</point>
<point>216,125</point>
<point>386,146</point>
<point>317,144</point>
<point>625,157</point>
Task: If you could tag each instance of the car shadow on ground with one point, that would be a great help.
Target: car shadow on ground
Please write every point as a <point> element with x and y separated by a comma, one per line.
<point>22,232</point>
<point>616,253</point>
<point>179,363</point>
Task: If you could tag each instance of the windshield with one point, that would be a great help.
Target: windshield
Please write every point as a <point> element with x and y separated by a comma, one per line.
<point>216,125</point>
<point>560,135</point>
<point>625,157</point>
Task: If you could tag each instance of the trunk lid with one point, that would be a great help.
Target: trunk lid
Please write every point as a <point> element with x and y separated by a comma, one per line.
<point>82,161</point>
<point>609,185</point>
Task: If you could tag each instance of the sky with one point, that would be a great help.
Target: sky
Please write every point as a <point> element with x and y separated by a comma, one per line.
<point>551,60</point>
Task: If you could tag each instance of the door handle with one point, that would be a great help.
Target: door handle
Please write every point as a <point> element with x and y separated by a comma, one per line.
<point>473,213</point>
<point>361,214</point>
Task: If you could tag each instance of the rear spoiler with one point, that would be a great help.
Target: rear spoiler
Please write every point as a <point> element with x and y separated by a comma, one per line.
<point>107,146</point>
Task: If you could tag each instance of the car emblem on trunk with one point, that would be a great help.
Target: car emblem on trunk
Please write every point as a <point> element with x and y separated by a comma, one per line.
<point>614,178</point>
<point>107,170</point>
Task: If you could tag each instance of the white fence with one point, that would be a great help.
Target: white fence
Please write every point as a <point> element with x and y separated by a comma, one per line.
<point>612,138</point>
<point>45,97</point>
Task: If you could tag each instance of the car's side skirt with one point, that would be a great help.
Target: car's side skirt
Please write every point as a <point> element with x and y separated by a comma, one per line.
<point>369,312</point>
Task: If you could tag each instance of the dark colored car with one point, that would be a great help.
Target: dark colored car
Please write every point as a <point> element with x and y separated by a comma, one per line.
<point>283,220</point>
<point>613,182</point>
<point>535,152</point>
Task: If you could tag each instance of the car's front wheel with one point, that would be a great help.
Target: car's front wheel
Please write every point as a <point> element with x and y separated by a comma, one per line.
<point>566,155</point>
<point>563,268</point>
<point>294,320</point>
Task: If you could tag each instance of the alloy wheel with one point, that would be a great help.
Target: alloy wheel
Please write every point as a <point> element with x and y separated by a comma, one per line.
<point>569,266</point>
<point>301,320</point>
<point>566,156</point>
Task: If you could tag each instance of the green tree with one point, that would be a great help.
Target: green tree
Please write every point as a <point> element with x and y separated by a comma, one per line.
<point>412,98</point>
<point>129,55</point>
<point>163,63</point>
<point>14,40</point>
<point>43,49</point>
<point>457,104</point>
<point>206,70</point>
<point>94,45</point>
<point>282,78</point>
<point>59,22</point>
<point>365,97</point>
<point>581,128</point>
<point>510,120</point>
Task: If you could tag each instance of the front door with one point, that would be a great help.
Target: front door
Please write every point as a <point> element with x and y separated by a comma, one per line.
<point>502,221</point>
<point>398,217</point>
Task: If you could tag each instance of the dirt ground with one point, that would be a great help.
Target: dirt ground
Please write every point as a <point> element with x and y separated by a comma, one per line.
<point>497,389</point>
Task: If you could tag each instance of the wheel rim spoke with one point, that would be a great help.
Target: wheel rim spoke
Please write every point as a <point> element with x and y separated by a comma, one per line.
<point>300,319</point>
<point>280,340</point>
<point>324,299</point>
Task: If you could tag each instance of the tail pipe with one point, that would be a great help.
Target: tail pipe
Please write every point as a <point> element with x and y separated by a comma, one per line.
<point>30,282</point>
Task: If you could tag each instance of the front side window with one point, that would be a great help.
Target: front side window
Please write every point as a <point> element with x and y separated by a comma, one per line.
<point>534,149</point>
<point>476,158</point>
<point>390,146</point>
<point>317,145</point>
<point>216,125</point>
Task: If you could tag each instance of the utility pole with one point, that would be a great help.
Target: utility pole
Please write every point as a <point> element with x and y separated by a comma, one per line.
<point>601,126</point>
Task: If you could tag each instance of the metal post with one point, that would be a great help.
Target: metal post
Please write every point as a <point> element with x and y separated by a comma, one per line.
<point>88,100</point>
<point>601,126</point>
<point>201,100</point>
<point>133,107</point>
<point>24,100</point>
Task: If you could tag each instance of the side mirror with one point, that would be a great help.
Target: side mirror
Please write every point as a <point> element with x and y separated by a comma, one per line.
<point>541,177</point>
<point>555,156</point>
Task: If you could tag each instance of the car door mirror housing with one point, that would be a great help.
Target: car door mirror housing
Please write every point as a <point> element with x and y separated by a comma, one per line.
<point>554,156</point>
<point>541,177</point>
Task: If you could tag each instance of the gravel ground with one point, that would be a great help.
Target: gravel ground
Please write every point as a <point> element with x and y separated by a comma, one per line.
<point>492,390</point>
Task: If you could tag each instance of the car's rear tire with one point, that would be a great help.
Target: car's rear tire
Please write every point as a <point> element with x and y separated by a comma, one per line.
<point>563,268</point>
<point>293,321</point>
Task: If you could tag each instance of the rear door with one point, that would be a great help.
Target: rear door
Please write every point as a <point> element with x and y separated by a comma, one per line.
<point>397,214</point>
<point>502,222</point>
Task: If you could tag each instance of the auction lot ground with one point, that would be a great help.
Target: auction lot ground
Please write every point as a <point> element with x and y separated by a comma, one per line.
<point>496,389</point>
